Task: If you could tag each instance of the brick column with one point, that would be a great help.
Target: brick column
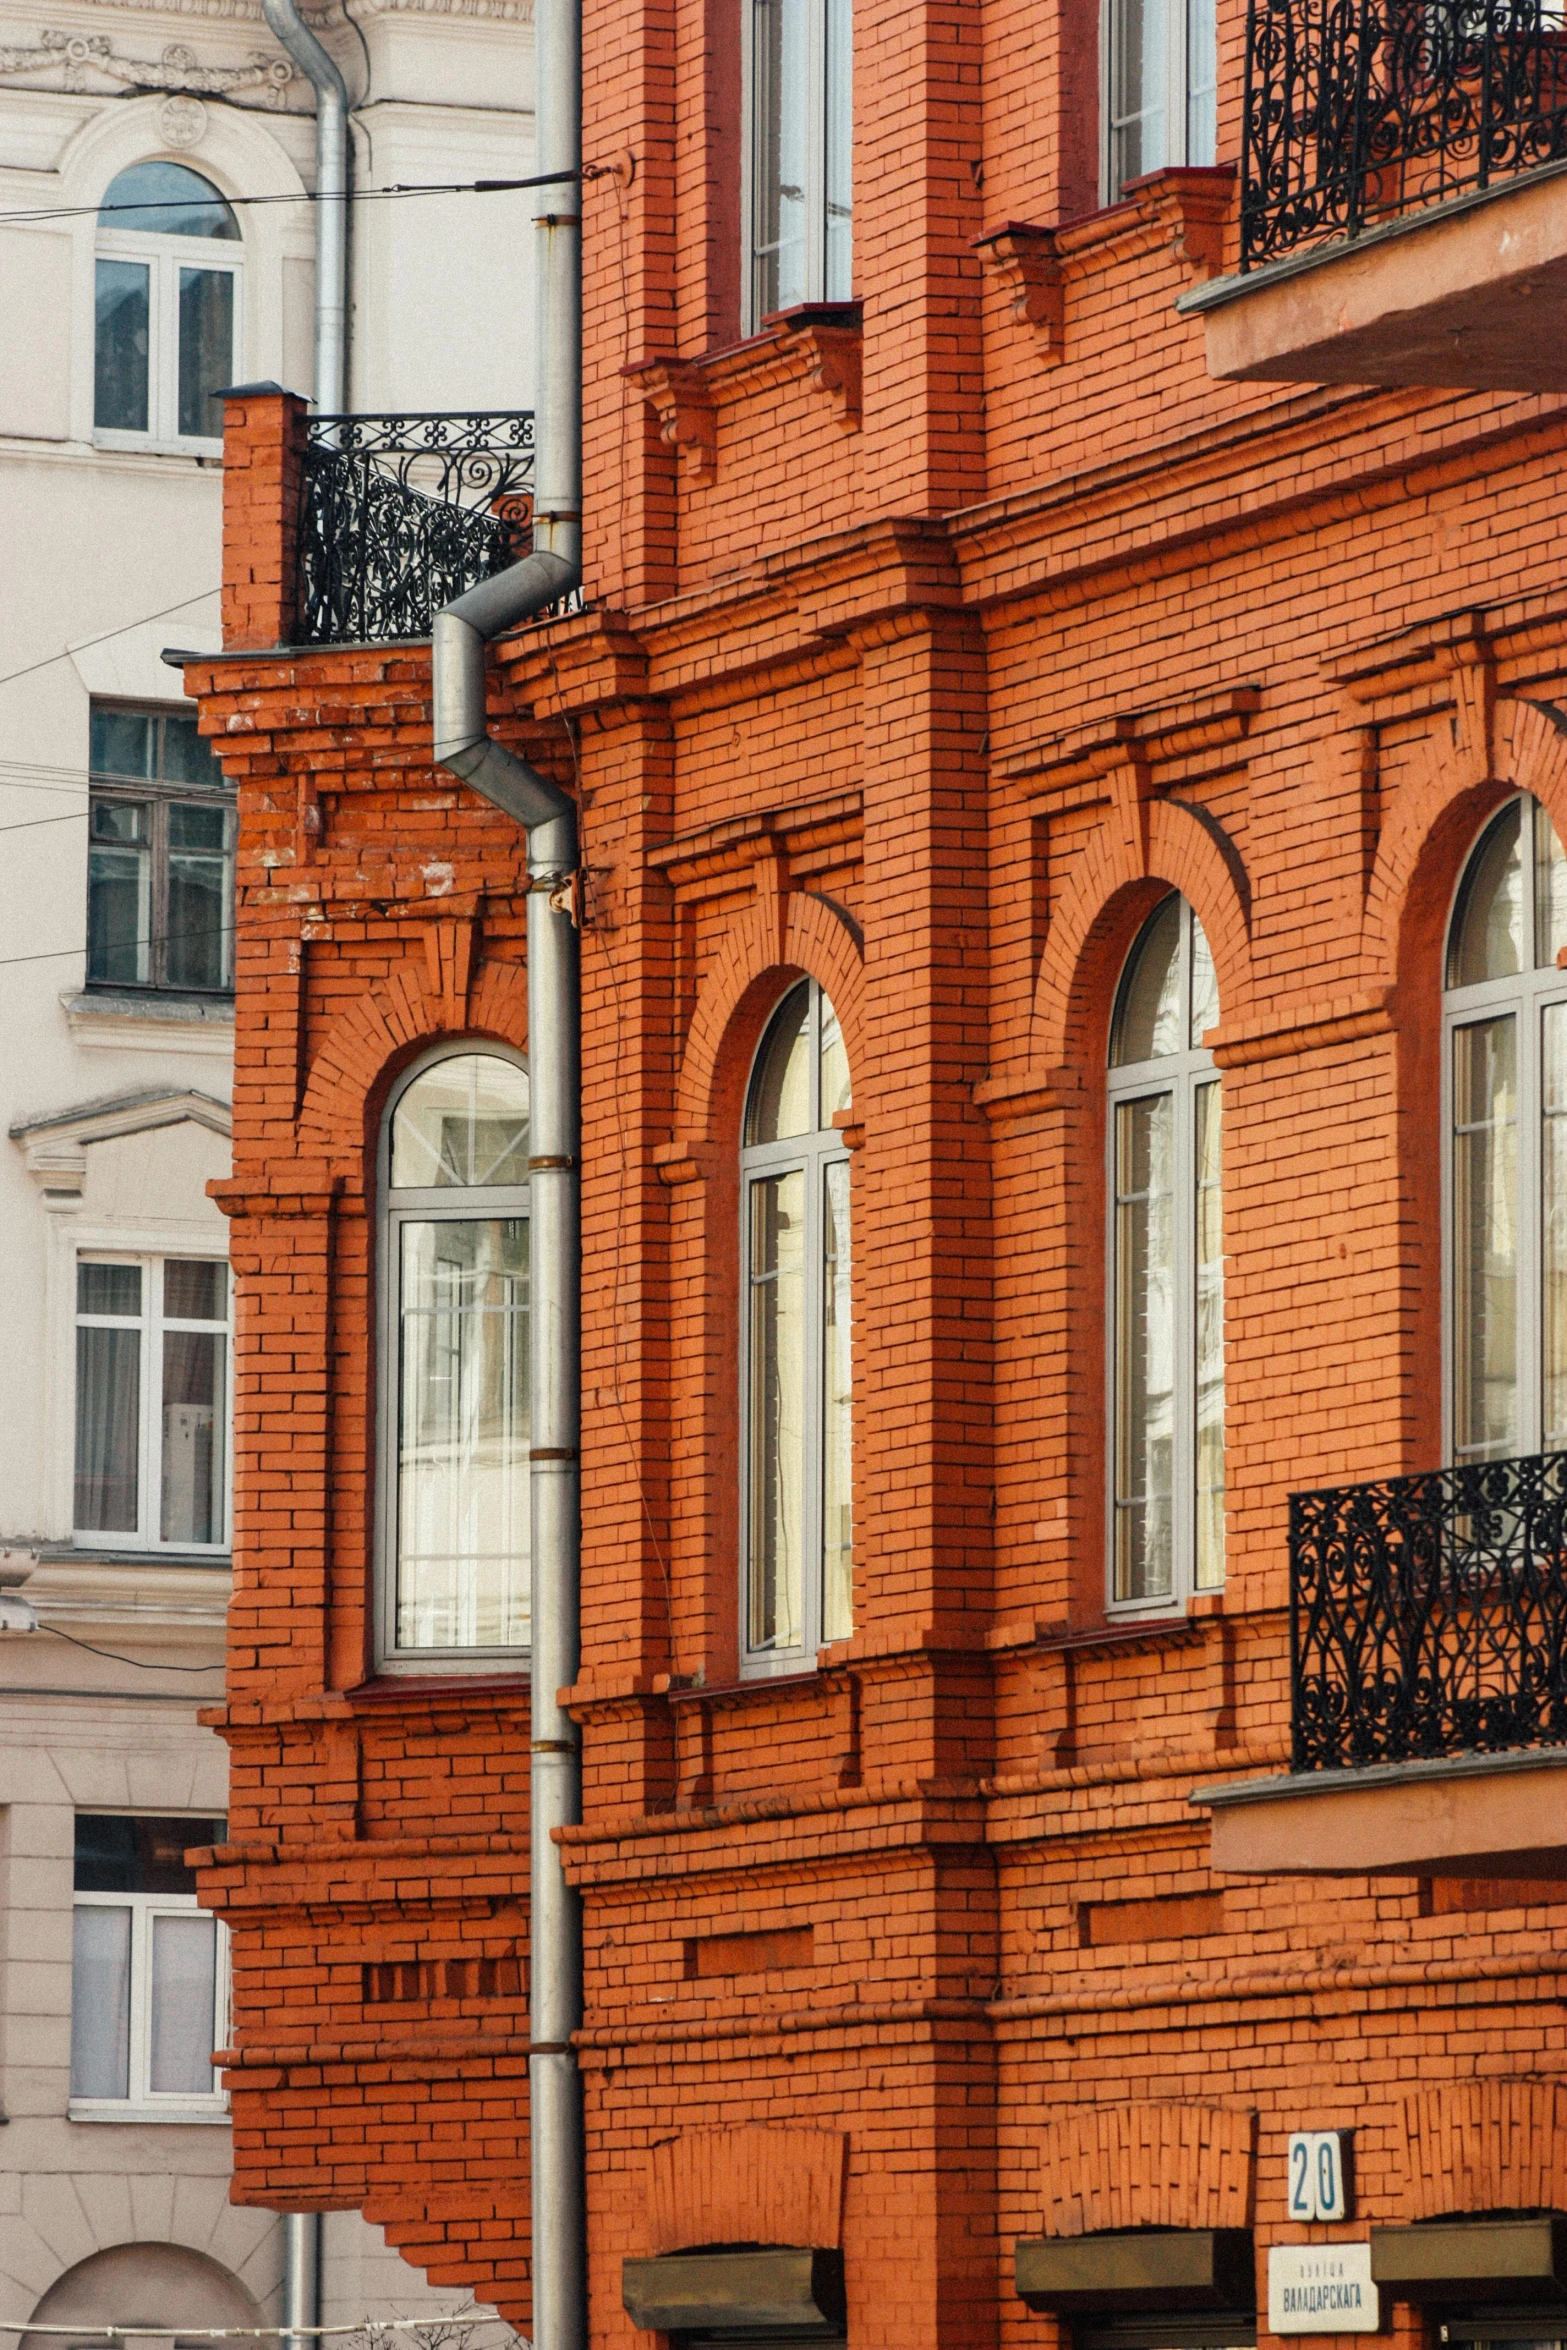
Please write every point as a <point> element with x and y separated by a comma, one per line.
<point>263,464</point>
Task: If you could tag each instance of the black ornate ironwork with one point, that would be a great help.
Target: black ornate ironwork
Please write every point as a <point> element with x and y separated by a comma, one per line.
<point>1359,110</point>
<point>1428,1615</point>
<point>398,514</point>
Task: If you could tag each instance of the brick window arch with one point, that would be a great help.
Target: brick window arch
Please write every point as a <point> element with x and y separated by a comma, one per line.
<point>1166,1261</point>
<point>453,1549</point>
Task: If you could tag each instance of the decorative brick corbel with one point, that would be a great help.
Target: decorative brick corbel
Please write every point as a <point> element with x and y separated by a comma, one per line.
<point>1023,256</point>
<point>683,1161</point>
<point>833,365</point>
<point>1474,695</point>
<point>449,959</point>
<point>682,400</point>
<point>1192,201</point>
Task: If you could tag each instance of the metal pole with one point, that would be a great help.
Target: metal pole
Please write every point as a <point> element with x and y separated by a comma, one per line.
<point>301,2278</point>
<point>463,743</point>
<point>331,206</point>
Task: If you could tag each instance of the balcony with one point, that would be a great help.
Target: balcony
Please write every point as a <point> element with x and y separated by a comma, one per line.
<point>399,514</point>
<point>1428,1664</point>
<point>1403,197</point>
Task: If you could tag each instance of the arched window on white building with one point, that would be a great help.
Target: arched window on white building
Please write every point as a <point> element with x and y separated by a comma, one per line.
<point>166,307</point>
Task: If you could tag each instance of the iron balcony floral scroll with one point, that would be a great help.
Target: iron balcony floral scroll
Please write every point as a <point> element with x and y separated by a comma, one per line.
<point>1428,1615</point>
<point>1357,111</point>
<point>399,514</point>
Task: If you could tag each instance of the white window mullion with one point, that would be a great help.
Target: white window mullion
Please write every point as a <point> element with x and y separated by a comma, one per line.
<point>1177,80</point>
<point>152,1403</point>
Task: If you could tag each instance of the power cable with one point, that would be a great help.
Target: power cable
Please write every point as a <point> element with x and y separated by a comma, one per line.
<point>142,1666</point>
<point>104,635</point>
<point>167,938</point>
<point>547,179</point>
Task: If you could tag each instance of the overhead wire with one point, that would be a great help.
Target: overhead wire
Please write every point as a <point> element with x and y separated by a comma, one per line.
<point>399,188</point>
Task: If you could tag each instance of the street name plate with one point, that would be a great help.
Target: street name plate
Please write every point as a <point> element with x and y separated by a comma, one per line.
<point>1321,2289</point>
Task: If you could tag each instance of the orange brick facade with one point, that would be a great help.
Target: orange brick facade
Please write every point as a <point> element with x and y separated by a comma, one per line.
<point>922,655</point>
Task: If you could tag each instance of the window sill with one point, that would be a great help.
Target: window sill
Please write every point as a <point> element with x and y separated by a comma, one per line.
<point>160,1023</point>
<point>124,1554</point>
<point>819,342</point>
<point>103,2109</point>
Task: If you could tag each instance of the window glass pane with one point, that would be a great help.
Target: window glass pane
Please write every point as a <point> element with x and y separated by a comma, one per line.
<point>166,200</point>
<point>1209,1563</point>
<point>1553,1217</point>
<point>117,1854</point>
<point>838,284</point>
<point>1205,987</point>
<point>121,743</point>
<point>101,2002</point>
<point>1148,1010</point>
<point>1485,1240</point>
<point>1487,941</point>
<point>464,1121</point>
<point>1139,138</point>
<point>1550,892</point>
<point>201,897</point>
<point>462,1460</point>
<point>122,822</point>
<point>836,1091</point>
<point>777,1409</point>
<point>108,1416</point>
<point>184,1964</point>
<point>1144,1348</point>
<point>780,103</point>
<point>195,1289</point>
<point>108,1289</point>
<point>186,757</point>
<point>119,915</point>
<point>206,348</point>
<point>780,1103</point>
<point>1202,81</point>
<point>120,347</point>
<point>193,1435</point>
<point>837,1415</point>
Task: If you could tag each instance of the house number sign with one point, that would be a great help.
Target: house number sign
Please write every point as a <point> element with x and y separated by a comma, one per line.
<point>1319,2174</point>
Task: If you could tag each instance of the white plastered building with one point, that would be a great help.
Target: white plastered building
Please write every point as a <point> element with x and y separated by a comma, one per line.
<point>116,1038</point>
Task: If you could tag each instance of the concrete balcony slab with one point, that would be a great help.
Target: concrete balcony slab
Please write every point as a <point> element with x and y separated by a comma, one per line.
<point>1468,295</point>
<point>1483,1815</point>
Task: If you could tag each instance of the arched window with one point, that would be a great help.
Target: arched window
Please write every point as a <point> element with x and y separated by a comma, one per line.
<point>1166,1270</point>
<point>1506,1017</point>
<point>166,307</point>
<point>798,1496</point>
<point>454,1545</point>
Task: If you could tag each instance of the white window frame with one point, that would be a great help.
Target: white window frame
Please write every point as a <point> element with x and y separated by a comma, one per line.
<point>1524,996</point>
<point>811,1154</point>
<point>164,257</point>
<point>1181,1075</point>
<point>143,2103</point>
<point>818,68</point>
<point>149,1456</point>
<point>1178,94</point>
<point>453,1205</point>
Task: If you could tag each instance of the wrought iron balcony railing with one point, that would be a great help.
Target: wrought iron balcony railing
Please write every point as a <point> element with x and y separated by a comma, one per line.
<point>1359,110</point>
<point>401,513</point>
<point>1428,1615</point>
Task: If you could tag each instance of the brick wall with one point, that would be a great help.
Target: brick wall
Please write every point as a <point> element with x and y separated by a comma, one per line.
<point>923,662</point>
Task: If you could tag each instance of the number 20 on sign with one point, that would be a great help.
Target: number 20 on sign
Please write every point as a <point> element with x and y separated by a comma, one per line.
<point>1319,2184</point>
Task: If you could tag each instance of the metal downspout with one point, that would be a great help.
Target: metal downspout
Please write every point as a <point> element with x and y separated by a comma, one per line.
<point>463,744</point>
<point>290,29</point>
<point>301,2278</point>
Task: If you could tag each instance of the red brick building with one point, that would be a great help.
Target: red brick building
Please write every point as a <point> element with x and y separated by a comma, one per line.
<point>1071,638</point>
